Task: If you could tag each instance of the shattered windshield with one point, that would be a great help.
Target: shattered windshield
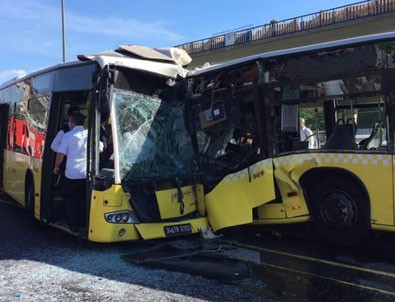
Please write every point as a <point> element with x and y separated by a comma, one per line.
<point>152,138</point>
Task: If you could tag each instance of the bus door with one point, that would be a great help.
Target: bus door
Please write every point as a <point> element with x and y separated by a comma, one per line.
<point>390,140</point>
<point>49,190</point>
<point>4,110</point>
<point>52,207</point>
<point>386,138</point>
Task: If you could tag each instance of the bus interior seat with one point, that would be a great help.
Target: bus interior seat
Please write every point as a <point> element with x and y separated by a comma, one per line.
<point>376,138</point>
<point>300,145</point>
<point>343,136</point>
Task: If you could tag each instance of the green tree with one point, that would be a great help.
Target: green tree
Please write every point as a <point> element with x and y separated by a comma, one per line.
<point>314,117</point>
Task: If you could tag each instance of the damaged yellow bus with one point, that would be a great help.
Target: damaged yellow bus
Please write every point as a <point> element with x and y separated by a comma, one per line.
<point>208,149</point>
<point>244,117</point>
<point>148,188</point>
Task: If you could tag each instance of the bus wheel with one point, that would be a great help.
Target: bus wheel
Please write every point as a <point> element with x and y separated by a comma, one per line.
<point>29,196</point>
<point>340,211</point>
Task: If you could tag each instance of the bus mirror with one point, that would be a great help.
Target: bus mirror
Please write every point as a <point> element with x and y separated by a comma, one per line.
<point>109,78</point>
<point>113,76</point>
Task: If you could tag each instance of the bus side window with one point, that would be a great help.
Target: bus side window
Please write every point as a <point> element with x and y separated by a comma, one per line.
<point>10,143</point>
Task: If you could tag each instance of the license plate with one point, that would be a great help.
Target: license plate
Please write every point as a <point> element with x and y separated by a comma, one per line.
<point>173,230</point>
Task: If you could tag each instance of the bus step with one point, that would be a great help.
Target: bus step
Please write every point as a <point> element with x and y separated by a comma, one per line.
<point>61,225</point>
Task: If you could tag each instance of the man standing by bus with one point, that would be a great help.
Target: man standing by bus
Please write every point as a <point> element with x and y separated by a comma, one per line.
<point>306,135</point>
<point>66,128</point>
<point>74,146</point>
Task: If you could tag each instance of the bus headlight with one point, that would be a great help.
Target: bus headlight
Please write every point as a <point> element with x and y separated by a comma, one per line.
<point>125,217</point>
<point>117,218</point>
<point>121,217</point>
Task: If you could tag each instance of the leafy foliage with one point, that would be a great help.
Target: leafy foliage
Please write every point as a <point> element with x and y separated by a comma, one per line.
<point>314,117</point>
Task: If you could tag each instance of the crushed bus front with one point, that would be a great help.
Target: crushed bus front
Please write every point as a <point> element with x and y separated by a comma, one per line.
<point>150,186</point>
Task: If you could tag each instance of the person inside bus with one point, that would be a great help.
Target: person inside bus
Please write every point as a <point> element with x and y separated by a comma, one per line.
<point>241,144</point>
<point>105,141</point>
<point>306,135</point>
<point>74,147</point>
<point>66,128</point>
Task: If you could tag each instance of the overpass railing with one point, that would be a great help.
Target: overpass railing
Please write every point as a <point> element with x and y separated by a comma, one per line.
<point>275,28</point>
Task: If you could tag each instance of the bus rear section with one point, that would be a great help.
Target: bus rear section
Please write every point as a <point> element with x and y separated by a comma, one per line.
<point>248,113</point>
<point>344,92</point>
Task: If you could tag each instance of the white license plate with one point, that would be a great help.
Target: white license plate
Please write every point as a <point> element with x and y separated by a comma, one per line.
<point>173,230</point>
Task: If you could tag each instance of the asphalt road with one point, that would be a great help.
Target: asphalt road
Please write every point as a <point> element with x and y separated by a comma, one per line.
<point>44,264</point>
<point>295,265</point>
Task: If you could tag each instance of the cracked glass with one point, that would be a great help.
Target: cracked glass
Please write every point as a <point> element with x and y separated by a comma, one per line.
<point>152,138</point>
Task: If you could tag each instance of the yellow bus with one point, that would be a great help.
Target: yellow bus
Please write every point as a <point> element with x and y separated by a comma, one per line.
<point>208,149</point>
<point>244,117</point>
<point>149,186</point>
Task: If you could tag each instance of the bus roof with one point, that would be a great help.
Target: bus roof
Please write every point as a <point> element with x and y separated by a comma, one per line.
<point>168,62</point>
<point>294,50</point>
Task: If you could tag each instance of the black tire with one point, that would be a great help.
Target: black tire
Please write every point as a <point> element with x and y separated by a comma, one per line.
<point>29,196</point>
<point>340,211</point>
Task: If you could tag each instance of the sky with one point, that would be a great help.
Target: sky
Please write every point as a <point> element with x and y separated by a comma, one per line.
<point>31,30</point>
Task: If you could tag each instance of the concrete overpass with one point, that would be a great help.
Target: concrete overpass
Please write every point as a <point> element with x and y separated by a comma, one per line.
<point>362,18</point>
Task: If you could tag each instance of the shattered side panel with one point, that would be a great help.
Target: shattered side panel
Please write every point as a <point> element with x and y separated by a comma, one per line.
<point>287,173</point>
<point>287,178</point>
<point>231,203</point>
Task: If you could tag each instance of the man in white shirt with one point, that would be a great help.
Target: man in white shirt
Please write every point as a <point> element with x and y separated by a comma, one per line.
<point>74,146</point>
<point>306,135</point>
<point>66,128</point>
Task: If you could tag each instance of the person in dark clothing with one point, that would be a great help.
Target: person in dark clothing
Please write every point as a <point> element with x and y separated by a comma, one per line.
<point>105,140</point>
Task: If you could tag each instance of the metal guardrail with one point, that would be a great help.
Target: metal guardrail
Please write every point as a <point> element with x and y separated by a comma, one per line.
<point>275,28</point>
